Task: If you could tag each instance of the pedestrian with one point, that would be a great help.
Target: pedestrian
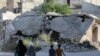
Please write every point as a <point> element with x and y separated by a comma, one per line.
<point>31,51</point>
<point>20,49</point>
<point>52,51</point>
<point>59,51</point>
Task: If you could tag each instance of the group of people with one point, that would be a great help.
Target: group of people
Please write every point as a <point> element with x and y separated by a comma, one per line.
<point>57,52</point>
<point>21,50</point>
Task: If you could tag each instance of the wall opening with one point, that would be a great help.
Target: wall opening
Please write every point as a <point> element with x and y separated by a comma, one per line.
<point>94,34</point>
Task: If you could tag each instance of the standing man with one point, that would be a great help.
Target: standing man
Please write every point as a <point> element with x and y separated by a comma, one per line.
<point>52,52</point>
<point>20,49</point>
<point>59,51</point>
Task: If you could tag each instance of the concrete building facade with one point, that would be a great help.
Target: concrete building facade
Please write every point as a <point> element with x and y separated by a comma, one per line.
<point>18,6</point>
<point>2,3</point>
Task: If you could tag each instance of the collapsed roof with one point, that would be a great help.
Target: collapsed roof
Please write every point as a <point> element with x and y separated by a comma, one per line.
<point>72,26</point>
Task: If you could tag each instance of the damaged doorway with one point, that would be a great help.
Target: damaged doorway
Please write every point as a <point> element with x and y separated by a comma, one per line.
<point>94,34</point>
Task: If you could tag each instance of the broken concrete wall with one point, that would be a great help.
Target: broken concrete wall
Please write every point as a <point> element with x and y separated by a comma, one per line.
<point>68,26</point>
<point>71,27</point>
<point>29,24</point>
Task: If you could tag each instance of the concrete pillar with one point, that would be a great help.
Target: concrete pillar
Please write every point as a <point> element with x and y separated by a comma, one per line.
<point>98,33</point>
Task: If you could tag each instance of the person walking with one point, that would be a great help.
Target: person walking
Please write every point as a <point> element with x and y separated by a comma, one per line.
<point>52,51</point>
<point>31,51</point>
<point>59,51</point>
<point>20,49</point>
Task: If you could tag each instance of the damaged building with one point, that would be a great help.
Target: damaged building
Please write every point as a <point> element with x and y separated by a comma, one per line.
<point>82,27</point>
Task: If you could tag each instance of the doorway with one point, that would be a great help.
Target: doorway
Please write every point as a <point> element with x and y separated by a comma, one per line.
<point>94,34</point>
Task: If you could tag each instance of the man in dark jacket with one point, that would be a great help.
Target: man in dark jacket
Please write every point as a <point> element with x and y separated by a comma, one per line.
<point>21,49</point>
<point>52,52</point>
